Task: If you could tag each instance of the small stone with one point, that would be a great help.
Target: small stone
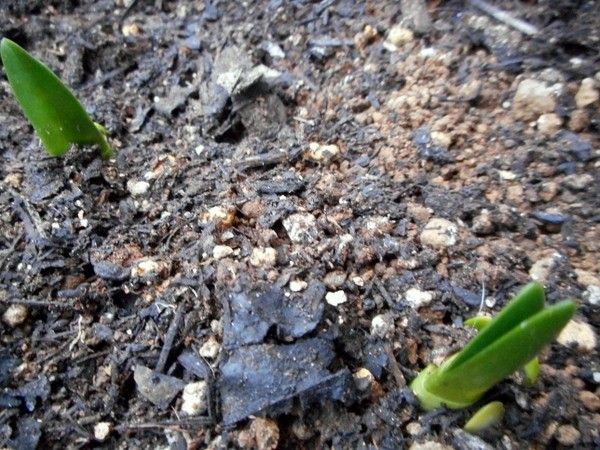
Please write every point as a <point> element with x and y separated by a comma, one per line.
<point>470,90</point>
<point>578,182</point>
<point>14,180</point>
<point>210,349</point>
<point>222,251</point>
<point>194,398</point>
<point>587,278</point>
<point>439,233</point>
<point>335,279</point>
<point>441,139</point>
<point>359,281</point>
<point>399,36</point>
<point>382,325</point>
<point>579,333</point>
<point>507,175</point>
<point>587,93</point>
<point>419,213</point>
<point>156,387</point>
<point>322,153</point>
<point>579,120</point>
<point>145,269</point>
<point>336,298</point>
<point>15,315</point>
<point>592,295</point>
<point>224,216</point>
<point>263,257</point>
<point>363,379</point>
<point>266,433</point>
<point>483,224</point>
<point>541,269</point>
<point>429,445</point>
<point>365,37</point>
<point>549,124</point>
<point>301,228</point>
<point>137,187</point>
<point>298,285</point>
<point>102,430</point>
<point>413,428</point>
<point>417,298</point>
<point>532,99</point>
<point>130,29</point>
<point>567,435</point>
<point>590,401</point>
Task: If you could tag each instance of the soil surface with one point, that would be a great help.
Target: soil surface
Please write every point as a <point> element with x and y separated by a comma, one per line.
<point>307,200</point>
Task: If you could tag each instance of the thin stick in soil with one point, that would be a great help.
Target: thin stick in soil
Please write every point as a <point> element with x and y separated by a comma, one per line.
<point>169,338</point>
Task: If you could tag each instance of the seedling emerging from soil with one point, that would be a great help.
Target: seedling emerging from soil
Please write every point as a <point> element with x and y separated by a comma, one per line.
<point>485,417</point>
<point>56,115</point>
<point>508,342</point>
<point>531,370</point>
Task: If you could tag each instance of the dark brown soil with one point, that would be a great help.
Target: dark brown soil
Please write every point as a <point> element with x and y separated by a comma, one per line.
<point>266,225</point>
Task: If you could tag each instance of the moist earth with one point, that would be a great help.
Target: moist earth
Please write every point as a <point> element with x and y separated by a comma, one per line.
<point>307,201</point>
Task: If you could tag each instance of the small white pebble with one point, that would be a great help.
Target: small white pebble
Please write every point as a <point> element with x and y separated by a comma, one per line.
<point>358,281</point>
<point>15,315</point>
<point>336,298</point>
<point>137,187</point>
<point>263,257</point>
<point>298,285</point>
<point>579,333</point>
<point>417,298</point>
<point>222,251</point>
<point>382,325</point>
<point>102,430</point>
<point>363,379</point>
<point>145,268</point>
<point>320,152</point>
<point>210,349</point>
<point>194,398</point>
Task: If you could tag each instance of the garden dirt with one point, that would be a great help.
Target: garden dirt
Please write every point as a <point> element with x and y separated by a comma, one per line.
<point>306,202</point>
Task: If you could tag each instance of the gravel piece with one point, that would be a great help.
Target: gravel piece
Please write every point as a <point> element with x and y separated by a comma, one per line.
<point>155,387</point>
<point>439,233</point>
<point>15,315</point>
<point>579,333</point>
<point>194,398</point>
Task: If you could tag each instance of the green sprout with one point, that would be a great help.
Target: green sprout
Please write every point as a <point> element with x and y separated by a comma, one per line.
<point>485,417</point>
<point>56,115</point>
<point>508,342</point>
<point>531,370</point>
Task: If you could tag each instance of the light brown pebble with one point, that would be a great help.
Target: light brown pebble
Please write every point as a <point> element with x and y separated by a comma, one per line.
<point>587,93</point>
<point>567,435</point>
<point>579,120</point>
<point>266,433</point>
<point>399,35</point>
<point>263,257</point>
<point>439,233</point>
<point>549,124</point>
<point>590,401</point>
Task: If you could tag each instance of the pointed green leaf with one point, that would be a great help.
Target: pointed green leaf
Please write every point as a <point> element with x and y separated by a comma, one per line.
<point>56,115</point>
<point>532,371</point>
<point>466,382</point>
<point>485,417</point>
<point>527,302</point>
<point>478,322</point>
